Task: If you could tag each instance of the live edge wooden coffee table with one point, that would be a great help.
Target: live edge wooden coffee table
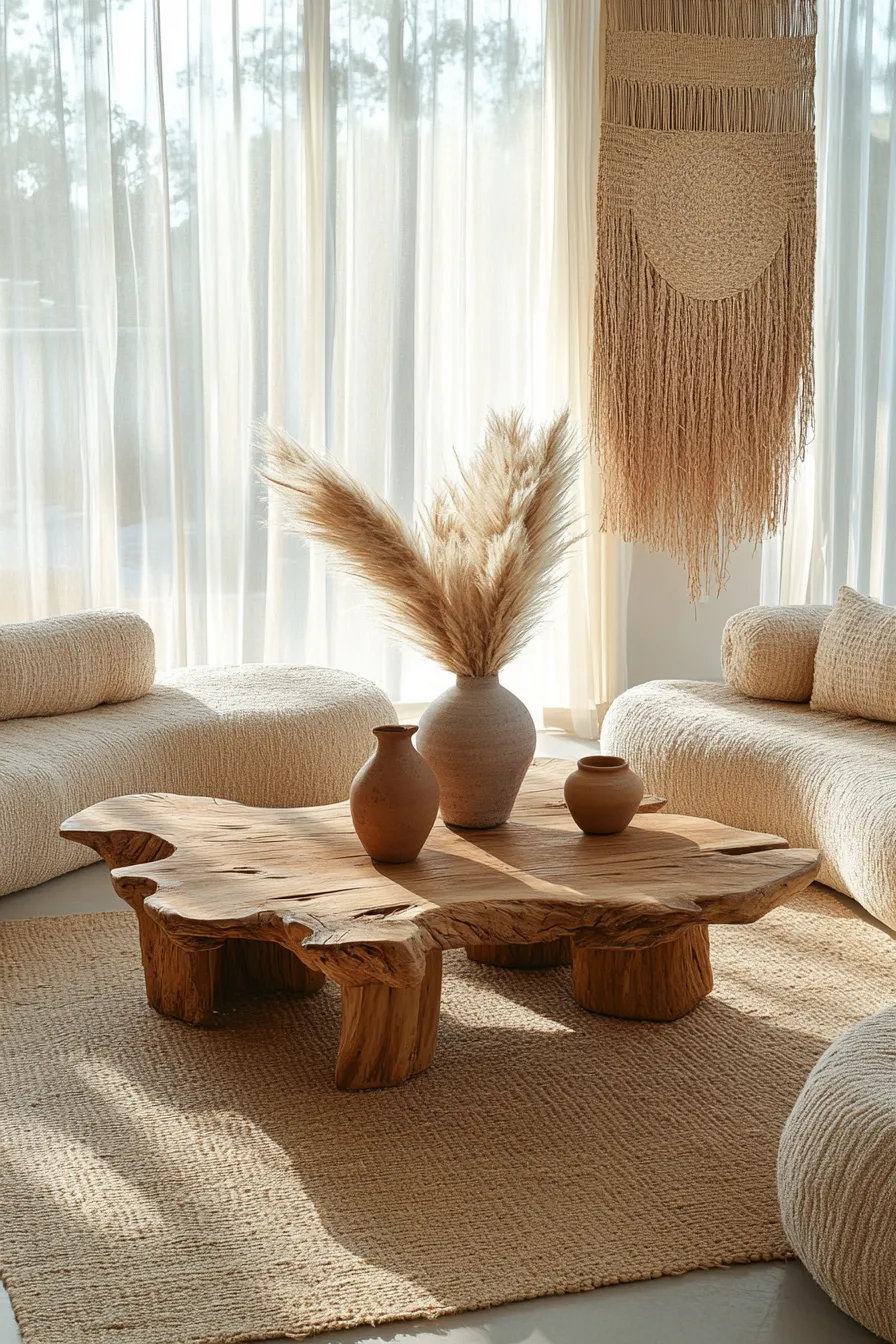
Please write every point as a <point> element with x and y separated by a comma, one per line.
<point>231,899</point>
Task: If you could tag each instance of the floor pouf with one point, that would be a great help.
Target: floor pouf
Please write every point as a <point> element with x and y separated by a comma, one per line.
<point>837,1173</point>
<point>282,735</point>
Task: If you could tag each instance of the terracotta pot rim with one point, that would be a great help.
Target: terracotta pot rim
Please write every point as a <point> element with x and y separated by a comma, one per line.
<point>598,763</point>
<point>396,729</point>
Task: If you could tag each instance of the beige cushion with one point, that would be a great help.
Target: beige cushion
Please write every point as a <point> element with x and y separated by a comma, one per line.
<point>769,652</point>
<point>68,663</point>
<point>820,780</point>
<point>855,666</point>
<point>837,1174</point>
<point>268,736</point>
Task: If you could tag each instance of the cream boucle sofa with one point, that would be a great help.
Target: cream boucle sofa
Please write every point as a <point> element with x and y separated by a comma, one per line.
<point>765,759</point>
<point>264,735</point>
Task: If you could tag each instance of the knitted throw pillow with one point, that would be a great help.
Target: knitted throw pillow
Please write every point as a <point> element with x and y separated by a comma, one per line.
<point>855,666</point>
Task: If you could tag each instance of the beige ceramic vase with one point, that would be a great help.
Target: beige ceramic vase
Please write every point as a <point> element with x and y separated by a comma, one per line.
<point>603,794</point>
<point>394,797</point>
<point>480,740</point>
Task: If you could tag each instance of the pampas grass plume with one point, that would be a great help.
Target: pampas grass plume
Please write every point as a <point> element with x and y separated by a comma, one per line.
<point>470,584</point>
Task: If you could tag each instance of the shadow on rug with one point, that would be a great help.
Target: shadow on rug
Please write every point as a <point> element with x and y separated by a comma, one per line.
<point>163,1184</point>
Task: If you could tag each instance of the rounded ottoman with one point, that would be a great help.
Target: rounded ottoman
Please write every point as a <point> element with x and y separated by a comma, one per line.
<point>837,1173</point>
<point>281,735</point>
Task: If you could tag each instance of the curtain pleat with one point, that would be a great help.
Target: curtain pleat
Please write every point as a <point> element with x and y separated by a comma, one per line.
<point>841,526</point>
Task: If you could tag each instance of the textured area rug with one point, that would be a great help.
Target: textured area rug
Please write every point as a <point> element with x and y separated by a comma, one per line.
<point>163,1184</point>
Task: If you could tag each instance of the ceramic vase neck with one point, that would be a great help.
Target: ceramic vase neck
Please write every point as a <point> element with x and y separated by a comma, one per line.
<point>477,683</point>
<point>394,736</point>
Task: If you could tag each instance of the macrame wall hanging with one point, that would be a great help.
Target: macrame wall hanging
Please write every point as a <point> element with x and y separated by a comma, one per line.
<point>706,247</point>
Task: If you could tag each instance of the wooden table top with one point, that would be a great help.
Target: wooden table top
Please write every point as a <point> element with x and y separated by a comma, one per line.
<point>299,877</point>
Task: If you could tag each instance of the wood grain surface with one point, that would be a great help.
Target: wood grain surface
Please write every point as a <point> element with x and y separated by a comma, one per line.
<point>206,870</point>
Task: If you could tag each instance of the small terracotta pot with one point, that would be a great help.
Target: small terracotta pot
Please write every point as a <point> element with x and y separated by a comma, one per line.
<point>603,794</point>
<point>394,797</point>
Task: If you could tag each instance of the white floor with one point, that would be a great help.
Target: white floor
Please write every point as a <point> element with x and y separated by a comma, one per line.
<point>747,1304</point>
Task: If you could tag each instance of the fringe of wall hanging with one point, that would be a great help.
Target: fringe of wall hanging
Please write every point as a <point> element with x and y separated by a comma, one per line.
<point>703,385</point>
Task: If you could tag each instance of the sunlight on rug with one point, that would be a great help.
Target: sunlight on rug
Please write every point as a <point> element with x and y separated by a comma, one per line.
<point>165,1184</point>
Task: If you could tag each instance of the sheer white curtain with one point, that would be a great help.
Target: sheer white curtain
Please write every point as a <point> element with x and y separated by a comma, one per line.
<point>842,521</point>
<point>365,219</point>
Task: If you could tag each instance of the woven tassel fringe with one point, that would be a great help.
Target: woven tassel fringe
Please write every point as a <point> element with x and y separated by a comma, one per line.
<point>693,400</point>
<point>682,107</point>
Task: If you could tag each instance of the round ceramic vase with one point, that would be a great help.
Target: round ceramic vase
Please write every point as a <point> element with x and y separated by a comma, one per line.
<point>480,741</point>
<point>603,794</point>
<point>394,797</point>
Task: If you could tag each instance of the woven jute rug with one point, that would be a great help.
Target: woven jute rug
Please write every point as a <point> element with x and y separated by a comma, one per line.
<point>163,1184</point>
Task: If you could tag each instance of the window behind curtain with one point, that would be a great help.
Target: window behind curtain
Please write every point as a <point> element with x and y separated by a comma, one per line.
<point>842,519</point>
<point>330,215</point>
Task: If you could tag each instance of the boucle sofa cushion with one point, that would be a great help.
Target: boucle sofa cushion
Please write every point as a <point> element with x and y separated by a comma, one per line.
<point>769,652</point>
<point>820,780</point>
<point>855,666</point>
<point>267,736</point>
<point>837,1176</point>
<point>68,663</point>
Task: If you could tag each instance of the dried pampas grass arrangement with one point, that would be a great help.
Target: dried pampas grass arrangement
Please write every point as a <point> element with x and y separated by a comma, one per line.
<point>470,583</point>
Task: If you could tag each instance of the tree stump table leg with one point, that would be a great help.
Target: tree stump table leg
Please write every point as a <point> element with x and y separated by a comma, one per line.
<point>249,966</point>
<point>657,984</point>
<point>189,984</point>
<point>523,956</point>
<point>179,983</point>
<point>389,1034</point>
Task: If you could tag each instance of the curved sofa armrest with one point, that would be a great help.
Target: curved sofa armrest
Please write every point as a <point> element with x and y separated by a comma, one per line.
<point>768,653</point>
<point>66,664</point>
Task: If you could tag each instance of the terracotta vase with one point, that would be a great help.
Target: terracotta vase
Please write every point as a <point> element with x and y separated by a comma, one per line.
<point>603,794</point>
<point>480,740</point>
<point>394,797</point>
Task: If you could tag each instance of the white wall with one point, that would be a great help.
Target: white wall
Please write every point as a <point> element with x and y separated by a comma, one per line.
<point>668,636</point>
